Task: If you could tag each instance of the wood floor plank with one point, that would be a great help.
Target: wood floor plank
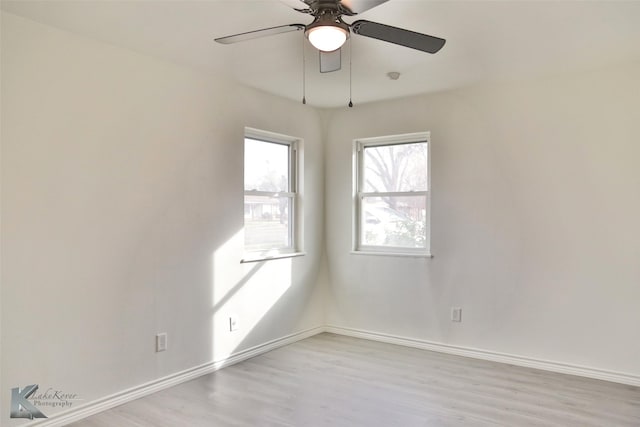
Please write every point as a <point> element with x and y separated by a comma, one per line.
<point>332,380</point>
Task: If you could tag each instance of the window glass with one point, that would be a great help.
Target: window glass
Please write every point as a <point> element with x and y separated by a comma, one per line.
<point>396,221</point>
<point>270,195</point>
<point>391,208</point>
<point>266,223</point>
<point>266,166</point>
<point>399,167</point>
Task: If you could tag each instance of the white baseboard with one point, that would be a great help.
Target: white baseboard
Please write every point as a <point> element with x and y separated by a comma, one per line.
<point>108,402</point>
<point>510,359</point>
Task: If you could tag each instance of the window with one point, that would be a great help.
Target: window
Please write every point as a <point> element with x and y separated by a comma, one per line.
<point>392,203</point>
<point>270,195</point>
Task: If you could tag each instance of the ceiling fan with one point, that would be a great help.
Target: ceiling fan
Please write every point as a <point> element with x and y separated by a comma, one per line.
<point>328,32</point>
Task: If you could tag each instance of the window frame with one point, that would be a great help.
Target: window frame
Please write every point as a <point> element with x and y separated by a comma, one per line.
<point>359,194</point>
<point>294,194</point>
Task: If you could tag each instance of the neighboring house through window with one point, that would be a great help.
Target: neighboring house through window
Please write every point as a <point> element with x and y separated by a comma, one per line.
<point>271,226</point>
<point>392,195</point>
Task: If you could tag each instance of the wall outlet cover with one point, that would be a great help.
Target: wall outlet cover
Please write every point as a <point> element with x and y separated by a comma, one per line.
<point>456,314</point>
<point>161,342</point>
<point>233,323</point>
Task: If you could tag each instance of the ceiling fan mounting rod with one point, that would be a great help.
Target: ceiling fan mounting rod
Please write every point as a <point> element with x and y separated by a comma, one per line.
<point>333,7</point>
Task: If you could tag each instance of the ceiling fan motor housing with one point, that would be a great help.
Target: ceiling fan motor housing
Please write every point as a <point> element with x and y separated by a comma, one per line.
<point>327,20</point>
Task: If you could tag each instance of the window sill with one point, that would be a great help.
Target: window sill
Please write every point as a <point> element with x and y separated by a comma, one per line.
<point>260,258</point>
<point>393,254</point>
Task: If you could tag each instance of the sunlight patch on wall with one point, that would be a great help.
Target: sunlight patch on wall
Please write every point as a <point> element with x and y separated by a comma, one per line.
<point>242,294</point>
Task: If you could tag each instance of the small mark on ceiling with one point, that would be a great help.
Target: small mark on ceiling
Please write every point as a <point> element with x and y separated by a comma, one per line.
<point>393,75</point>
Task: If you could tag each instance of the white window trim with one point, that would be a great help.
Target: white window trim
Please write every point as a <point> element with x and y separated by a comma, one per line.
<point>357,196</point>
<point>295,185</point>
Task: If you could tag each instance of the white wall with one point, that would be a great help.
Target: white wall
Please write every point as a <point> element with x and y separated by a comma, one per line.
<point>535,216</point>
<point>121,178</point>
<point>121,208</point>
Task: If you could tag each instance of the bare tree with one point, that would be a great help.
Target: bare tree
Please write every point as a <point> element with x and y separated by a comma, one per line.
<point>395,168</point>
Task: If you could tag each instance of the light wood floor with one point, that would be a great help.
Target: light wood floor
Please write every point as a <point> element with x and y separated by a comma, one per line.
<point>331,380</point>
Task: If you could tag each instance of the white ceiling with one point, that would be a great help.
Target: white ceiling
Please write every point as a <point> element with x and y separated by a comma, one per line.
<point>486,41</point>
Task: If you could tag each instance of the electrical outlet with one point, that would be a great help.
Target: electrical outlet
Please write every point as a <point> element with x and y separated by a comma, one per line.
<point>233,323</point>
<point>161,342</point>
<point>456,314</point>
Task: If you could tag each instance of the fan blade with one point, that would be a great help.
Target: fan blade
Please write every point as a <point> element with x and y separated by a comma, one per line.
<point>359,6</point>
<point>259,33</point>
<point>399,36</point>
<point>330,61</point>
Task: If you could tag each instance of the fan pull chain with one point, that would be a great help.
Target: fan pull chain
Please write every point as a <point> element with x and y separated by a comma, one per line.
<point>350,73</point>
<point>304,77</point>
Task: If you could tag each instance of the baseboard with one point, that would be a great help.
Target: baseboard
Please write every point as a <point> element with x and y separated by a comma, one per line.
<point>510,359</point>
<point>108,402</point>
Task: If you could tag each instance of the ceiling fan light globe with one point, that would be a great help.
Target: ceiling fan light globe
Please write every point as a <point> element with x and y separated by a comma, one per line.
<point>327,38</point>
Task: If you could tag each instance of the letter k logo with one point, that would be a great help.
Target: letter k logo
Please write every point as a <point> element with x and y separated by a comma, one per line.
<point>21,407</point>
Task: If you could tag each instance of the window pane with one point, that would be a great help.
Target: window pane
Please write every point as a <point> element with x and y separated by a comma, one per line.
<point>399,167</point>
<point>266,223</point>
<point>266,166</point>
<point>394,221</point>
